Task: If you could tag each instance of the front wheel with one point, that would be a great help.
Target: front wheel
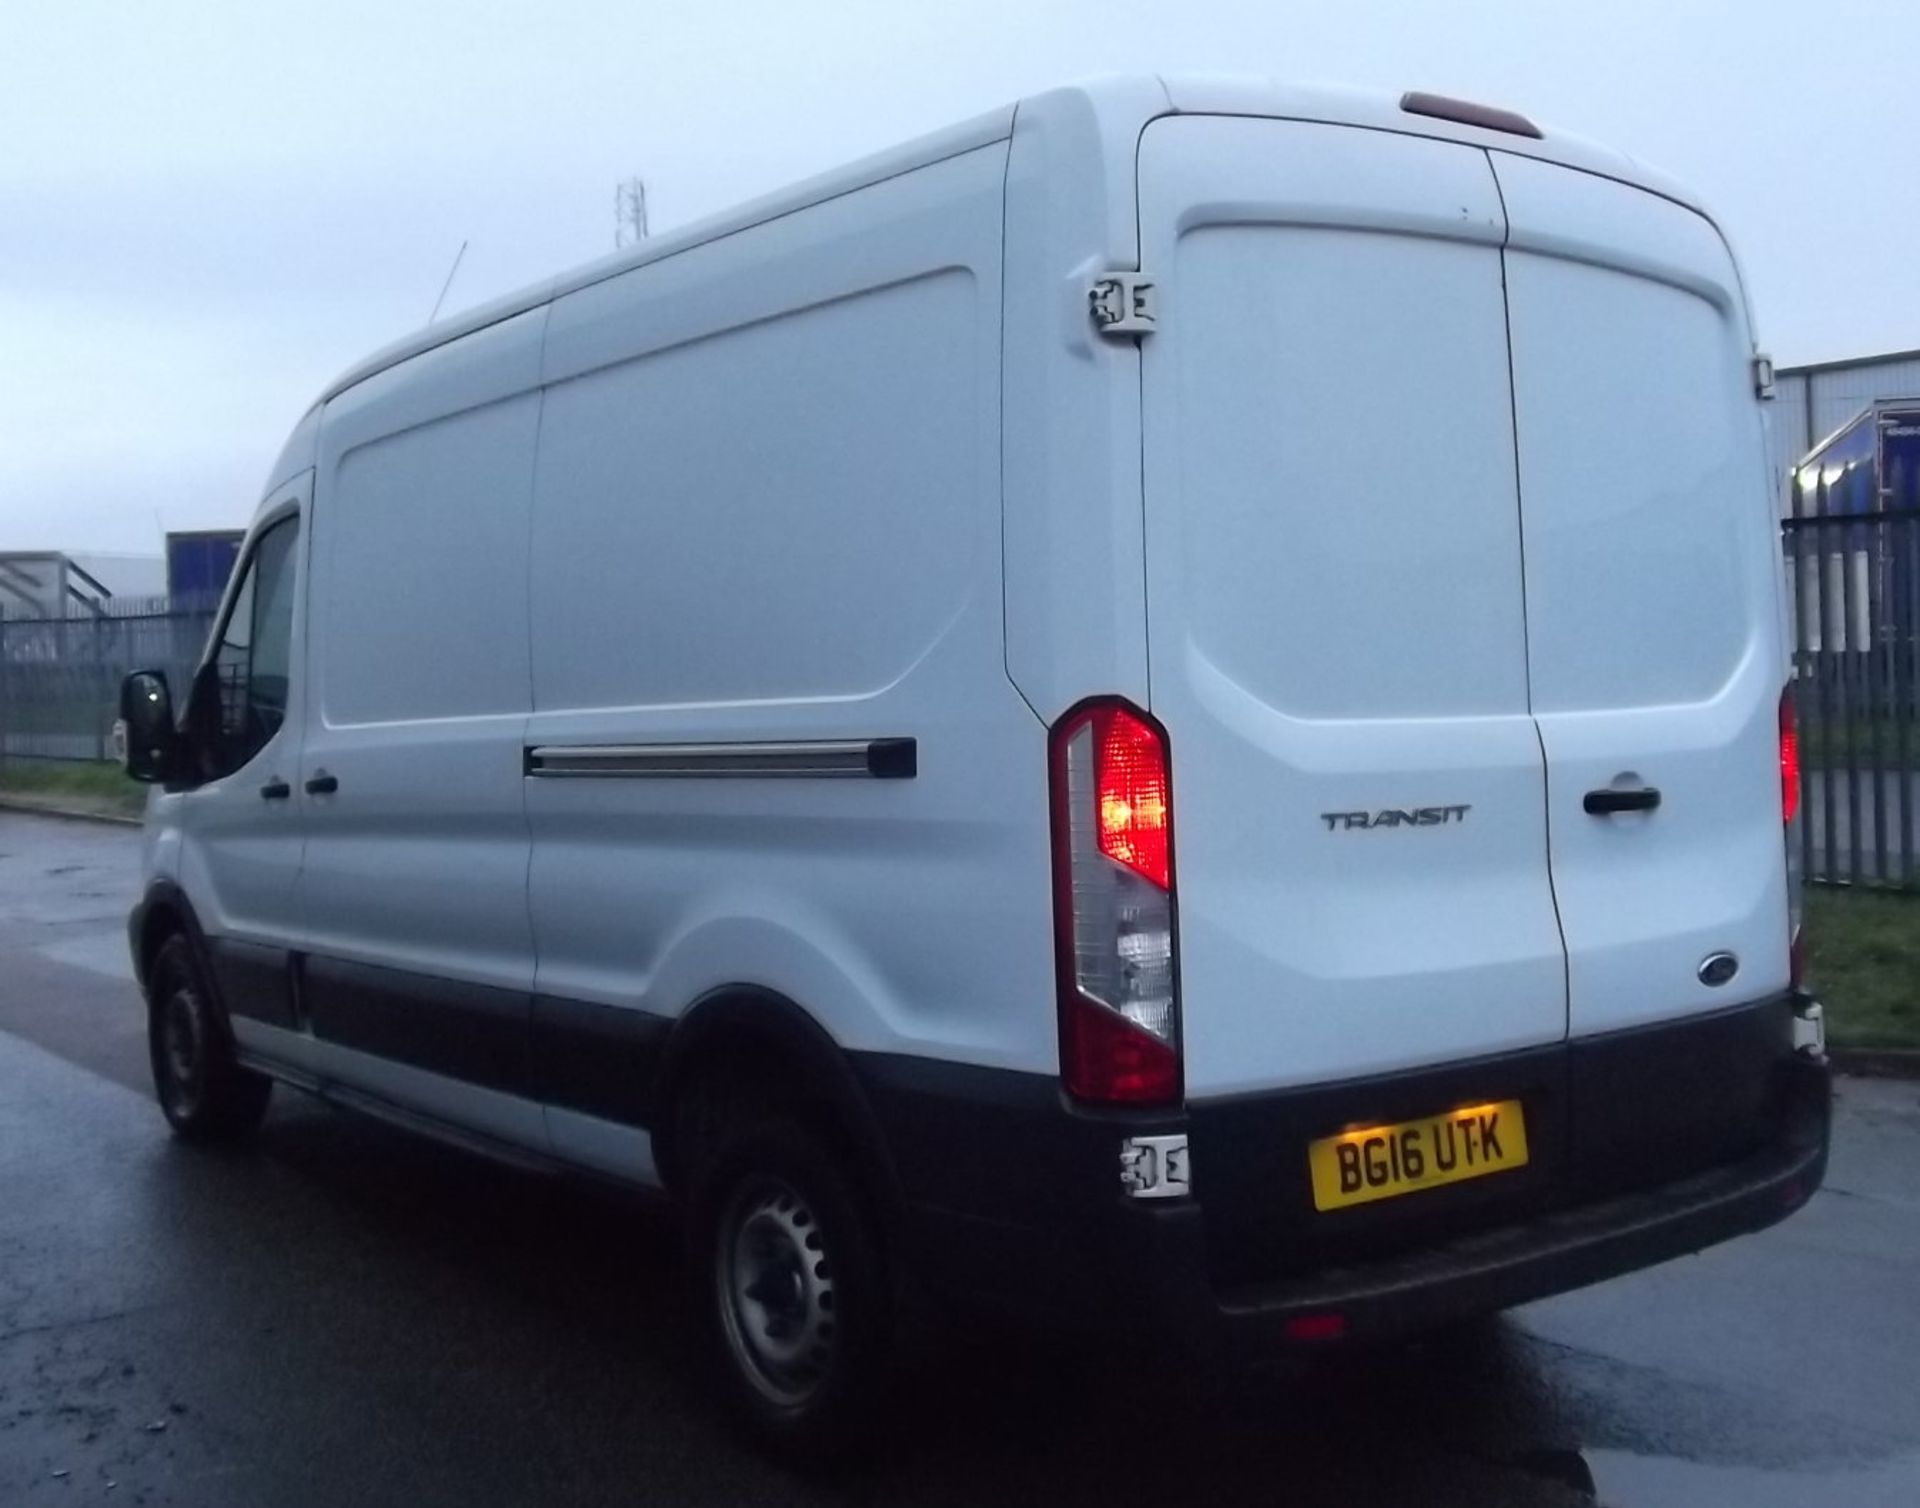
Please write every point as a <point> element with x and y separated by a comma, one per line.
<point>794,1302</point>
<point>204,1092</point>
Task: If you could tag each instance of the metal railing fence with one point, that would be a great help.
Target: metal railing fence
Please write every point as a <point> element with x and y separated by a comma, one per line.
<point>60,676</point>
<point>1854,587</point>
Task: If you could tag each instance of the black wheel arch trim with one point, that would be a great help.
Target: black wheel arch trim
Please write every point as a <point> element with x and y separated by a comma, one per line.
<point>821,1069</point>
<point>165,897</point>
<point>241,979</point>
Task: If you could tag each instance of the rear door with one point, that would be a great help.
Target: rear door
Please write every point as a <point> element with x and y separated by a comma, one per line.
<point>1654,626</point>
<point>1336,612</point>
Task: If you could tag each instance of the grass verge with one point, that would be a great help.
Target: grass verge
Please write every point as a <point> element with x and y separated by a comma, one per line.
<point>82,787</point>
<point>1863,962</point>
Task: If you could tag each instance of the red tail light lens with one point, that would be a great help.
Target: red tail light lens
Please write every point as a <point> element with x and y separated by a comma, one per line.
<point>1107,1060</point>
<point>1130,771</point>
<point>1789,759</point>
<point>1113,906</point>
<point>1316,1327</point>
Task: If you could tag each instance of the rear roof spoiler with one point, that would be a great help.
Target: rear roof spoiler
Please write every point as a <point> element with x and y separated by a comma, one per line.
<point>1467,113</point>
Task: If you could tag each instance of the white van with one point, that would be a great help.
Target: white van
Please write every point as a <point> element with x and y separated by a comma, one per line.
<point>1164,709</point>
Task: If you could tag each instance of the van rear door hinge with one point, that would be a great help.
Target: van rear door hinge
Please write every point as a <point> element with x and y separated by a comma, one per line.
<point>1763,377</point>
<point>1124,303</point>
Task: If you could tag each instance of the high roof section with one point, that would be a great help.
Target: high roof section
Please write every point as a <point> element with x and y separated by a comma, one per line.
<point>995,125</point>
<point>1119,108</point>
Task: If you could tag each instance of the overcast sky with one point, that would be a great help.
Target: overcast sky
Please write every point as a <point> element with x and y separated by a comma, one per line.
<point>210,207</point>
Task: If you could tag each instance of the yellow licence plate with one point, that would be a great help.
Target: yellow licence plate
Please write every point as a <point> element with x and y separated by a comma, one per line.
<point>1378,1162</point>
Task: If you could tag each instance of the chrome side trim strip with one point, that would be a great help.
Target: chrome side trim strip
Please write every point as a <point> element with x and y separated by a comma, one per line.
<point>868,758</point>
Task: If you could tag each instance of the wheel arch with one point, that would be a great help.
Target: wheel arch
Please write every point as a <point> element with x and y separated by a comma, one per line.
<point>161,912</point>
<point>755,1035</point>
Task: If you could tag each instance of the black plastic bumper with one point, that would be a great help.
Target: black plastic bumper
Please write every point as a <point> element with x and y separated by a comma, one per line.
<point>1012,1196</point>
<point>1550,1253</point>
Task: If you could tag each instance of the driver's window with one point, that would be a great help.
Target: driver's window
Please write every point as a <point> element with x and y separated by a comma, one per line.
<point>252,663</point>
<point>231,658</point>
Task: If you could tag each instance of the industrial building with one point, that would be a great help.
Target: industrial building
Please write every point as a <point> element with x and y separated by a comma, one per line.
<point>54,584</point>
<point>1812,402</point>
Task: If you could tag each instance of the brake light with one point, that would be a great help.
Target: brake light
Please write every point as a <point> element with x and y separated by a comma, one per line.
<point>1113,906</point>
<point>1789,759</point>
<point>1316,1327</point>
<point>1130,772</point>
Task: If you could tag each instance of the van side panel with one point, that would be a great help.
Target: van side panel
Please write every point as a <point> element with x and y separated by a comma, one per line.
<point>414,884</point>
<point>681,523</point>
<point>768,513</point>
<point>1075,550</point>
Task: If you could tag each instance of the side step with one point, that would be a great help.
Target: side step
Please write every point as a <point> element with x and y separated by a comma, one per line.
<point>360,1102</point>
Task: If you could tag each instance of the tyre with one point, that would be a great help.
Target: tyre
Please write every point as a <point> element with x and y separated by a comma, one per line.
<point>791,1288</point>
<point>204,1092</point>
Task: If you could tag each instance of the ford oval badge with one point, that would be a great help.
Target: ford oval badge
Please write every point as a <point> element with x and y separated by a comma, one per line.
<point>1718,968</point>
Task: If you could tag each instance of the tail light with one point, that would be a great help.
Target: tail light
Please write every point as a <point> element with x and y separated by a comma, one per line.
<point>1790,819</point>
<point>1789,759</point>
<point>1113,906</point>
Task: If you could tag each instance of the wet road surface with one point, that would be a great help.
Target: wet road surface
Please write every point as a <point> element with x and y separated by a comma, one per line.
<point>346,1315</point>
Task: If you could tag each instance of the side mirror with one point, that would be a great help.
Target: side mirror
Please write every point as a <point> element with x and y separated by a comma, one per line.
<point>150,742</point>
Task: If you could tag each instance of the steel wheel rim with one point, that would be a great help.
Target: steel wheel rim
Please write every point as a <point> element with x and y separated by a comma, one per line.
<point>183,1039</point>
<point>775,1285</point>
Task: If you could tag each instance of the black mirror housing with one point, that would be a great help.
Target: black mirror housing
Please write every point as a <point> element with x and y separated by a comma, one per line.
<point>150,744</point>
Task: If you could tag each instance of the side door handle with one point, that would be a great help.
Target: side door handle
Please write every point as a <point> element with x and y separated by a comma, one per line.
<point>322,784</point>
<point>1604,803</point>
<point>275,790</point>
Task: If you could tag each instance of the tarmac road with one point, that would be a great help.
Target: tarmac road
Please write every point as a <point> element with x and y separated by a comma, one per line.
<point>345,1315</point>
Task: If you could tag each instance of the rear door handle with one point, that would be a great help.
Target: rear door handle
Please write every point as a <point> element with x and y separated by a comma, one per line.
<point>323,784</point>
<point>275,790</point>
<point>1606,802</point>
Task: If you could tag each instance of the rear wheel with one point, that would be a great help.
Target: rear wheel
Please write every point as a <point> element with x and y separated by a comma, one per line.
<point>795,1308</point>
<point>204,1092</point>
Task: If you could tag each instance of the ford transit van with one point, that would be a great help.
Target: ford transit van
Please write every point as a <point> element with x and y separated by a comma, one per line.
<point>1167,710</point>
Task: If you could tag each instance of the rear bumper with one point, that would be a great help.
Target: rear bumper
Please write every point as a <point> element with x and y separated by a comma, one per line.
<point>1550,1253</point>
<point>1021,1206</point>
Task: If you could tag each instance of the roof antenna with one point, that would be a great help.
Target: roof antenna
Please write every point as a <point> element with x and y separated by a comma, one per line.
<point>629,213</point>
<point>448,283</point>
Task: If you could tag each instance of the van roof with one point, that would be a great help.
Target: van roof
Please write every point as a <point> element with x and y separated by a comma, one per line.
<point>1120,108</point>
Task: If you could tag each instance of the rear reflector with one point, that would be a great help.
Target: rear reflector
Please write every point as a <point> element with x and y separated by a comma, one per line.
<point>1113,906</point>
<point>1466,113</point>
<point>1313,1327</point>
<point>1106,1059</point>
